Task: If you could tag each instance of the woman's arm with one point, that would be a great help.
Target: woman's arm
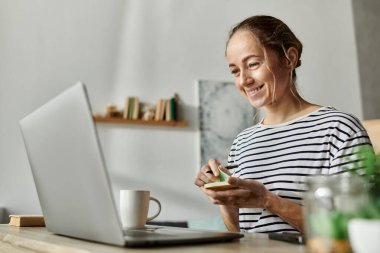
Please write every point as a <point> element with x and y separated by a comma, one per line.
<point>230,214</point>
<point>287,210</point>
<point>231,218</point>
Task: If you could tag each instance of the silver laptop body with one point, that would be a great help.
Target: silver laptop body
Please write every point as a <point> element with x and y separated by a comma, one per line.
<point>72,181</point>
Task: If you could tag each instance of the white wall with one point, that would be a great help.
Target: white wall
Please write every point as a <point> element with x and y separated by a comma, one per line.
<point>367,31</point>
<point>150,49</point>
<point>44,47</point>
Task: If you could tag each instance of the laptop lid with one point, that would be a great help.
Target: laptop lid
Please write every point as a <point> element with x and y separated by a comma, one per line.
<point>71,178</point>
<point>69,170</point>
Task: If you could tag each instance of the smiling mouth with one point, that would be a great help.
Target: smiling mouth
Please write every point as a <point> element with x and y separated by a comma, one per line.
<point>254,91</point>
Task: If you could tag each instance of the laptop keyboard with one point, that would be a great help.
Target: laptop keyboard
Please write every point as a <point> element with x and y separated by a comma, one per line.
<point>145,232</point>
<point>160,232</point>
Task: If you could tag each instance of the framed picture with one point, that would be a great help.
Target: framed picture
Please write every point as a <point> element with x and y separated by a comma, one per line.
<point>223,114</point>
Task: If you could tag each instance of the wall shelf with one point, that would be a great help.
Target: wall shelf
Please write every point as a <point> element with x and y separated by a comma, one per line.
<point>117,120</point>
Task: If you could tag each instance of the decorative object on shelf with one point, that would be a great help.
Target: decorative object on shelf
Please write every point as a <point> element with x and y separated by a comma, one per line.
<point>148,112</point>
<point>165,113</point>
<point>120,120</point>
<point>223,113</point>
<point>112,111</point>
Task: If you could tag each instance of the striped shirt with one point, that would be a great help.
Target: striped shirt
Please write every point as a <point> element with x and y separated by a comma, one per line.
<point>283,156</point>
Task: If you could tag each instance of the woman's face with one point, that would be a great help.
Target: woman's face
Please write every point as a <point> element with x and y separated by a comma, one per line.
<point>262,80</point>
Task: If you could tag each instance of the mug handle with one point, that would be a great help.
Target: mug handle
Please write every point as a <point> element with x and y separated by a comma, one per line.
<point>159,209</point>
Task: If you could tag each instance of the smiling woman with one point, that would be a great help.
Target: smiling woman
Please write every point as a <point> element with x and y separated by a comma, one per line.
<point>295,139</point>
<point>263,53</point>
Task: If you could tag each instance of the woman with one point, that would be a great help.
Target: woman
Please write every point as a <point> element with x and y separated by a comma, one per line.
<point>294,140</point>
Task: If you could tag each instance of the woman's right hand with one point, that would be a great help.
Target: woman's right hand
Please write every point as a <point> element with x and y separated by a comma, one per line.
<point>209,173</point>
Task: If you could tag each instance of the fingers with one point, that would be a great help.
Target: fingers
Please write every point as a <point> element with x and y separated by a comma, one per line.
<point>228,197</point>
<point>257,190</point>
<point>203,178</point>
<point>224,169</point>
<point>214,166</point>
<point>211,195</point>
<point>198,182</point>
<point>244,183</point>
<point>208,173</point>
<point>235,181</point>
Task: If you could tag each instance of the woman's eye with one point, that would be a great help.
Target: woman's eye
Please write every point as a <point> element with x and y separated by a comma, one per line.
<point>253,64</point>
<point>235,72</point>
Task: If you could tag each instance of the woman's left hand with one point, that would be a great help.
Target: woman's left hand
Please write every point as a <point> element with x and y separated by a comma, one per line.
<point>249,194</point>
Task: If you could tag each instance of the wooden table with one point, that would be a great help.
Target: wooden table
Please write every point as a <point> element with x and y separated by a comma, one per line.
<point>28,239</point>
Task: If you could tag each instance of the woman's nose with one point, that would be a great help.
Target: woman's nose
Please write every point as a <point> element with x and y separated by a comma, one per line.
<point>244,78</point>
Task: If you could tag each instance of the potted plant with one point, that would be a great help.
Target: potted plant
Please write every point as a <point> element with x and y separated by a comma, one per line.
<point>336,203</point>
<point>364,226</point>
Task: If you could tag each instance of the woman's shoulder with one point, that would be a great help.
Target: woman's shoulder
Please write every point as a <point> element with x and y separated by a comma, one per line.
<point>337,117</point>
<point>247,132</point>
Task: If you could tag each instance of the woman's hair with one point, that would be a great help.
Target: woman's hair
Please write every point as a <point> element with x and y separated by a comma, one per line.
<point>272,34</point>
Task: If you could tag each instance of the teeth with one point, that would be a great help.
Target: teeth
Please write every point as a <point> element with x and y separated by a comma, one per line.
<point>251,92</point>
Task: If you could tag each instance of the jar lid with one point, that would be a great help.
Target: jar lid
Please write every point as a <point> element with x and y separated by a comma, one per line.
<point>341,183</point>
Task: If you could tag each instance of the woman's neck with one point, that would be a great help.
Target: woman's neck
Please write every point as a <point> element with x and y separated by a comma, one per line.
<point>286,109</point>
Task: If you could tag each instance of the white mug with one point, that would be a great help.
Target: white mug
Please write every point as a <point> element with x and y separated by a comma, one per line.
<point>134,206</point>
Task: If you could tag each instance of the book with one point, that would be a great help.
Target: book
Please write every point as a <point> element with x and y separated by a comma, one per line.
<point>131,107</point>
<point>26,220</point>
<point>173,108</point>
<point>160,109</point>
<point>126,108</point>
<point>167,110</point>
<point>157,111</point>
<point>136,108</point>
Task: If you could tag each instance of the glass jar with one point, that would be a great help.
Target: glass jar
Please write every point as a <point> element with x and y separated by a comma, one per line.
<point>329,203</point>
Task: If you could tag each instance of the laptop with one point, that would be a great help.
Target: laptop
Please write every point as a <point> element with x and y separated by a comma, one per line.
<point>72,181</point>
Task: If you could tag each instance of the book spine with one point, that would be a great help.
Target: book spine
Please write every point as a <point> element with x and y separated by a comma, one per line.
<point>126,108</point>
<point>161,109</point>
<point>167,110</point>
<point>173,109</point>
<point>158,113</point>
<point>136,108</point>
<point>131,107</point>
